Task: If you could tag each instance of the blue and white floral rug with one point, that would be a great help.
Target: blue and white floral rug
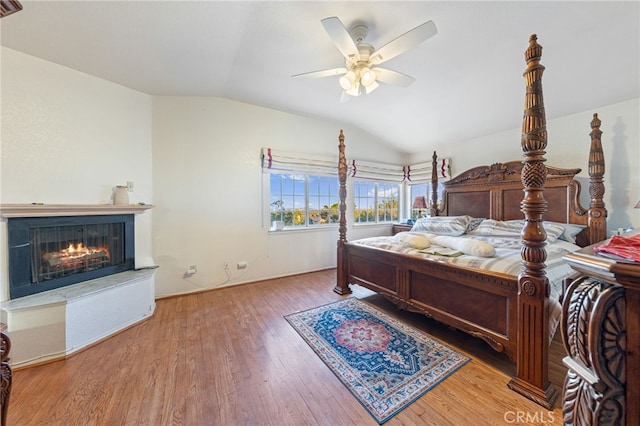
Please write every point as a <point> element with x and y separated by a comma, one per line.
<point>384,363</point>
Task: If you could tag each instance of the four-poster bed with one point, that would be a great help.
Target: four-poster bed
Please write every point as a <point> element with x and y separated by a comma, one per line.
<point>508,311</point>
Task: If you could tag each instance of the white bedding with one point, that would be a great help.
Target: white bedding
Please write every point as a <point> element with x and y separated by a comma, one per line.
<point>507,259</point>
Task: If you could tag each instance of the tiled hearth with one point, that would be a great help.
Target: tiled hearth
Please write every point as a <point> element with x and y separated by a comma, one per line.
<point>54,324</point>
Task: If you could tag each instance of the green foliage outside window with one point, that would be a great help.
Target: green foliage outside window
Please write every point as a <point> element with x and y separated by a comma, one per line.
<point>304,200</point>
<point>376,202</point>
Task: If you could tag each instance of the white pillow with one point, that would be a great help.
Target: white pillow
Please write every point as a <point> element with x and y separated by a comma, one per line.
<point>513,228</point>
<point>498,228</point>
<point>415,240</point>
<point>442,225</point>
<point>570,230</point>
<point>465,245</point>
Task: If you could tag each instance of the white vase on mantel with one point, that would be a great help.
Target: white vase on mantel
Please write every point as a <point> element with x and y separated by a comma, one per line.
<point>121,196</point>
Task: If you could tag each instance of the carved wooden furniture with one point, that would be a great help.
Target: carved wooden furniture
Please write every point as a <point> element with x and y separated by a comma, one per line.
<point>508,312</point>
<point>601,334</point>
<point>6,377</point>
<point>400,227</point>
<point>7,7</point>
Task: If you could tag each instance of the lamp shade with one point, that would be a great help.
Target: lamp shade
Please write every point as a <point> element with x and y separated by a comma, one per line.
<point>367,76</point>
<point>354,90</point>
<point>371,87</point>
<point>420,202</point>
<point>348,80</point>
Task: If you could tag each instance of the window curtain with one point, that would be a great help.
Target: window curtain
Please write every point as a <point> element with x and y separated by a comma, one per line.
<point>274,160</point>
<point>421,172</point>
<point>444,168</point>
<point>367,170</point>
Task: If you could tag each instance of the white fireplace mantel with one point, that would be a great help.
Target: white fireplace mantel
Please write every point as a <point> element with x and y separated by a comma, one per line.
<point>42,210</point>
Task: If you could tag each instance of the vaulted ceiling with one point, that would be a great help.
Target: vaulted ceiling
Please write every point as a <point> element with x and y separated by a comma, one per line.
<point>468,77</point>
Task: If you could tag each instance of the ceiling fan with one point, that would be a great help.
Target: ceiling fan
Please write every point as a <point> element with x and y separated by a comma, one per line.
<point>361,73</point>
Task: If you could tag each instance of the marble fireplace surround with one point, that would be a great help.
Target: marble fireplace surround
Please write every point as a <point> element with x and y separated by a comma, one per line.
<point>51,325</point>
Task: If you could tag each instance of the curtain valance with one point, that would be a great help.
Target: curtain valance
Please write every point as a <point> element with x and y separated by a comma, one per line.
<point>284,161</point>
<point>421,172</point>
<point>359,169</point>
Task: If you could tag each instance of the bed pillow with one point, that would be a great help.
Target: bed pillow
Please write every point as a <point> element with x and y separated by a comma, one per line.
<point>554,231</point>
<point>570,231</point>
<point>415,240</point>
<point>465,245</point>
<point>513,229</point>
<point>498,228</point>
<point>474,222</point>
<point>442,225</point>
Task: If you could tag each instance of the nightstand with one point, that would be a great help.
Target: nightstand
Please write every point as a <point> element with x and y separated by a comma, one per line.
<point>400,227</point>
<point>601,334</point>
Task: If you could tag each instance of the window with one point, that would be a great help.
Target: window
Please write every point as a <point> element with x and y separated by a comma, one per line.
<point>303,188</point>
<point>376,201</point>
<point>301,200</point>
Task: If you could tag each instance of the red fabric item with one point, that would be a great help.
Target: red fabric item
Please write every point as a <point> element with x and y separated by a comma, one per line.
<point>627,247</point>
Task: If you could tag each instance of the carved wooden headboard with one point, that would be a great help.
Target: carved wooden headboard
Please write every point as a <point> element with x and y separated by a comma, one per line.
<point>495,192</point>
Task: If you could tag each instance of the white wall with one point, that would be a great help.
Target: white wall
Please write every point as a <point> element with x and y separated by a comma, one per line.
<point>70,138</point>
<point>568,147</point>
<point>208,188</point>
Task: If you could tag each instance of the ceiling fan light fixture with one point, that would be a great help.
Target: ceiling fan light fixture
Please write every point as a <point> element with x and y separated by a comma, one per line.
<point>348,80</point>
<point>371,87</point>
<point>355,90</point>
<point>361,74</point>
<point>367,76</point>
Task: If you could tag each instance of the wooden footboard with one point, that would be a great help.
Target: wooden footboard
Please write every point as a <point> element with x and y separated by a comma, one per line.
<point>483,305</point>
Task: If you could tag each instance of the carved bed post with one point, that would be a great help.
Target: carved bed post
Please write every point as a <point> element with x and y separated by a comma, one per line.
<point>342,284</point>
<point>434,185</point>
<point>532,370</point>
<point>6,377</point>
<point>597,212</point>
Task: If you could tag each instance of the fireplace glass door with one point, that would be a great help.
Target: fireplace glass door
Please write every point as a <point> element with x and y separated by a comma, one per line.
<point>52,252</point>
<point>60,251</point>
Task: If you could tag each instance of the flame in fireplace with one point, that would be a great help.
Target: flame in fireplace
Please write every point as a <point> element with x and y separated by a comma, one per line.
<point>78,248</point>
<point>76,256</point>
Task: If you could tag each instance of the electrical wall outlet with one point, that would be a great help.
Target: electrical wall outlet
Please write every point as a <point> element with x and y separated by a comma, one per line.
<point>243,264</point>
<point>192,269</point>
<point>129,186</point>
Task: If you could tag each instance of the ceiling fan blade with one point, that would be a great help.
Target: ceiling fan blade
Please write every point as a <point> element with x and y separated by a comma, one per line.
<point>341,37</point>
<point>393,77</point>
<point>344,97</point>
<point>404,42</point>
<point>322,73</point>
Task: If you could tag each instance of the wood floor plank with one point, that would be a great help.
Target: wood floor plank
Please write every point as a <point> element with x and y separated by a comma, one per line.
<point>229,357</point>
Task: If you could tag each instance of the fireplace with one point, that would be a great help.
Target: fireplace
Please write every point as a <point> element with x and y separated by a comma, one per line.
<point>46,253</point>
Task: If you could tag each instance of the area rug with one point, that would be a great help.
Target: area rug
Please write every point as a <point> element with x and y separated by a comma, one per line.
<point>384,363</point>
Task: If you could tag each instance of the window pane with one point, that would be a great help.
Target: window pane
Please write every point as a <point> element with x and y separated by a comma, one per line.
<point>323,200</point>
<point>276,206</point>
<point>376,201</point>
<point>365,201</point>
<point>304,200</point>
<point>388,195</point>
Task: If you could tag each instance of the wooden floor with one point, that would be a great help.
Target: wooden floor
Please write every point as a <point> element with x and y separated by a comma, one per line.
<point>228,357</point>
